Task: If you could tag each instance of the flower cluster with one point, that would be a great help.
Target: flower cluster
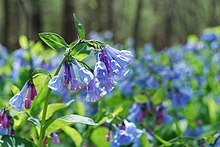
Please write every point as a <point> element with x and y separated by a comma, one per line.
<point>18,101</point>
<point>125,134</point>
<point>5,123</point>
<point>139,112</point>
<point>110,66</point>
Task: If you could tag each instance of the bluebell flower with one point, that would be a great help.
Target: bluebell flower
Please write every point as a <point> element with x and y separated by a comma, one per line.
<point>93,93</point>
<point>56,83</point>
<point>67,73</point>
<point>122,57</point>
<point>180,96</point>
<point>17,101</point>
<point>5,123</point>
<point>3,131</point>
<point>74,83</point>
<point>103,82</point>
<point>85,75</point>
<point>208,36</point>
<point>126,135</point>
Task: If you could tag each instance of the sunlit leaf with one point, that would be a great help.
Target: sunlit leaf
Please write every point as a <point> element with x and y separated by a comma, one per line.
<point>54,41</point>
<point>80,28</point>
<point>74,135</point>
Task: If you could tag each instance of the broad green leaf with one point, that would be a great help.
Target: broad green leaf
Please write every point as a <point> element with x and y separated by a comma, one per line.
<point>164,142</point>
<point>80,28</point>
<point>74,135</point>
<point>15,141</point>
<point>68,120</point>
<point>23,41</point>
<point>178,129</point>
<point>40,71</point>
<point>14,89</point>
<point>212,107</point>
<point>81,51</point>
<point>98,137</point>
<point>144,141</point>
<point>80,108</point>
<point>158,96</point>
<point>34,121</point>
<point>53,108</point>
<point>54,41</point>
<point>140,98</point>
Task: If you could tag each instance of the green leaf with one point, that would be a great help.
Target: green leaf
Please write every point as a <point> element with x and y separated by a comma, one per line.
<point>14,89</point>
<point>23,41</point>
<point>68,120</point>
<point>34,121</point>
<point>111,116</point>
<point>140,98</point>
<point>178,129</point>
<point>73,134</point>
<point>164,142</point>
<point>98,137</point>
<point>52,108</point>
<point>81,51</point>
<point>15,141</point>
<point>158,96</point>
<point>80,28</point>
<point>144,141</point>
<point>54,41</point>
<point>40,71</point>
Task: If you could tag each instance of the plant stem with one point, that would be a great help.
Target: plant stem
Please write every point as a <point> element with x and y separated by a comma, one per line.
<point>42,131</point>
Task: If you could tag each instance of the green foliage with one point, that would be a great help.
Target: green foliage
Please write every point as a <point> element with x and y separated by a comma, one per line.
<point>158,96</point>
<point>80,28</point>
<point>52,108</point>
<point>14,89</point>
<point>164,142</point>
<point>140,98</point>
<point>15,141</point>
<point>67,120</point>
<point>98,137</point>
<point>74,135</point>
<point>54,41</point>
<point>81,51</point>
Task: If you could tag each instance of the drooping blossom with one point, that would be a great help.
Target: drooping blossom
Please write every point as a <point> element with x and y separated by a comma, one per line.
<point>55,137</point>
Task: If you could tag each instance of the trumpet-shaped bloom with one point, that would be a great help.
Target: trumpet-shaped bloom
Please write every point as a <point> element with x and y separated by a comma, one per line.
<point>74,82</point>
<point>126,135</point>
<point>17,101</point>
<point>93,93</point>
<point>85,75</point>
<point>56,83</point>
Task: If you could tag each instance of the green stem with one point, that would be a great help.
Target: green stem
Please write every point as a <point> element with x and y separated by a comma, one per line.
<point>42,131</point>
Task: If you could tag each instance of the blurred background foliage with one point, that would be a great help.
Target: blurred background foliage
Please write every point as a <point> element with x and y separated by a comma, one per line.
<point>162,22</point>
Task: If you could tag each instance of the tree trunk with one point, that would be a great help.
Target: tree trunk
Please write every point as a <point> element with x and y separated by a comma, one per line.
<point>6,23</point>
<point>137,24</point>
<point>110,4</point>
<point>36,21</point>
<point>69,29</point>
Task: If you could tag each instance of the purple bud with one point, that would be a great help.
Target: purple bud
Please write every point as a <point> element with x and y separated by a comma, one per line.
<point>55,137</point>
<point>27,103</point>
<point>108,136</point>
<point>67,73</point>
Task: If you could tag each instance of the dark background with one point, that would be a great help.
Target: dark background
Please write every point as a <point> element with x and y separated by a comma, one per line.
<point>162,22</point>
